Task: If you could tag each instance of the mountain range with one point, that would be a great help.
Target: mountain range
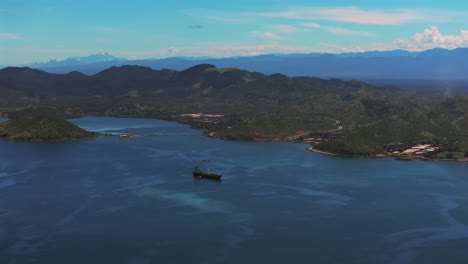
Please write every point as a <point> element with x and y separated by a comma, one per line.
<point>202,88</point>
<point>435,64</point>
<point>254,105</point>
<point>77,61</point>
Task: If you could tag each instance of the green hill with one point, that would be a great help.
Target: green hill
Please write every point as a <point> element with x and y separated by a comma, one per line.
<point>255,106</point>
<point>41,125</point>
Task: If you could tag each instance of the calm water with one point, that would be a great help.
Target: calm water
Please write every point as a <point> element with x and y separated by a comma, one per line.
<point>110,201</point>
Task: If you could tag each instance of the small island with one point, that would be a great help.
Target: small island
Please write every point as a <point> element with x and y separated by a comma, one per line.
<point>41,124</point>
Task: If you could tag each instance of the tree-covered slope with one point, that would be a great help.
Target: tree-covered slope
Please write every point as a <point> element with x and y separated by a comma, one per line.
<point>254,105</point>
<point>41,125</point>
<point>200,88</point>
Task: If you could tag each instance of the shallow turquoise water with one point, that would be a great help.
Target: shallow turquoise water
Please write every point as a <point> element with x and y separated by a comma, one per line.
<point>111,201</point>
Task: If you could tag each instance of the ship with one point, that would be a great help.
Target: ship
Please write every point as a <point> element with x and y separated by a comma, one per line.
<point>199,173</point>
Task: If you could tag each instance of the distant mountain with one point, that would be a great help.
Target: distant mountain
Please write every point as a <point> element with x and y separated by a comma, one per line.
<point>373,54</point>
<point>77,61</point>
<point>435,64</point>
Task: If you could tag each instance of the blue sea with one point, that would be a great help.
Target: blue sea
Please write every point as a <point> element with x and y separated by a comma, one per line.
<point>107,200</point>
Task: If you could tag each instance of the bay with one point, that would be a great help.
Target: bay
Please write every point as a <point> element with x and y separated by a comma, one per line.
<point>107,200</point>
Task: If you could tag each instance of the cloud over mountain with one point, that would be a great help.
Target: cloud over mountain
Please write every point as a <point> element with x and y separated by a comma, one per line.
<point>433,38</point>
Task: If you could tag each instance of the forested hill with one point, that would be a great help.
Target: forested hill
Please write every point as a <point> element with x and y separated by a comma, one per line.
<point>41,124</point>
<point>254,105</point>
<point>198,89</point>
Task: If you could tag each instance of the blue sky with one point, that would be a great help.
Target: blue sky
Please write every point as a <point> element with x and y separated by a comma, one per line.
<point>39,30</point>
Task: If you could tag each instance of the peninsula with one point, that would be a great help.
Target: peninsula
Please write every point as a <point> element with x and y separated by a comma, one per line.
<point>41,124</point>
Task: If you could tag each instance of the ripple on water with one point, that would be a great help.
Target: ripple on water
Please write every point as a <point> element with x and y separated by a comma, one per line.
<point>11,174</point>
<point>329,198</point>
<point>190,199</point>
<point>7,183</point>
<point>413,240</point>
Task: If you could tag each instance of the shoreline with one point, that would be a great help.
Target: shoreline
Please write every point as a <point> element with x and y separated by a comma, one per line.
<point>382,156</point>
<point>212,134</point>
<point>93,136</point>
<point>312,149</point>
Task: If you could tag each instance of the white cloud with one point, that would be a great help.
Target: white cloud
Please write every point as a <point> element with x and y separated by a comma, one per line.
<point>112,30</point>
<point>217,16</point>
<point>433,38</point>
<point>173,50</point>
<point>196,26</point>
<point>103,51</point>
<point>224,50</point>
<point>333,48</point>
<point>349,14</point>
<point>274,33</point>
<point>162,52</point>
<point>267,35</point>
<point>10,36</point>
<point>216,50</point>
<point>336,30</point>
<point>286,29</point>
<point>227,19</point>
<point>429,39</point>
<point>360,16</point>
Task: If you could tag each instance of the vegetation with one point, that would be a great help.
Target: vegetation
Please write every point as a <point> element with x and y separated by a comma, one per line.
<point>41,125</point>
<point>255,106</point>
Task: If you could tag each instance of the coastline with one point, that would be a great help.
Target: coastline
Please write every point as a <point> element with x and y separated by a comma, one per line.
<point>94,135</point>
<point>212,134</point>
<point>312,149</point>
<point>381,156</point>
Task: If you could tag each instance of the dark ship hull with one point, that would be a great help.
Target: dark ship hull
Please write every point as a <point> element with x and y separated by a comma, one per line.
<point>198,173</point>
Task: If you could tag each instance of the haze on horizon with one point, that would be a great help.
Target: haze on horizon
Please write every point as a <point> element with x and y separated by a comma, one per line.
<point>41,30</point>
